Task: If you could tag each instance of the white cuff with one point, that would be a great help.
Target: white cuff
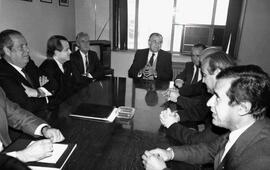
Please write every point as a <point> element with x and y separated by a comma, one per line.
<point>38,129</point>
<point>171,151</point>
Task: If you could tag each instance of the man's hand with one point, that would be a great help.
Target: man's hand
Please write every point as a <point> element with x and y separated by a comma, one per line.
<point>148,71</point>
<point>167,117</point>
<point>153,161</point>
<point>173,95</point>
<point>165,155</point>
<point>178,83</point>
<point>53,134</point>
<point>36,151</point>
<point>30,92</point>
<point>43,80</point>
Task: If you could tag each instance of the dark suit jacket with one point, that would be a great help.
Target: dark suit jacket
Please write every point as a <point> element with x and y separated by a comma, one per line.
<point>64,80</point>
<point>11,114</point>
<point>250,151</point>
<point>184,135</point>
<point>95,67</point>
<point>187,74</point>
<point>163,64</point>
<point>11,79</point>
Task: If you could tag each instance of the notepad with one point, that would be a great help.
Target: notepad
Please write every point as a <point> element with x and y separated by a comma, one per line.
<point>61,153</point>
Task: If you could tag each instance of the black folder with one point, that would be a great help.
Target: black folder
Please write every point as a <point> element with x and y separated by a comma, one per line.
<point>95,112</point>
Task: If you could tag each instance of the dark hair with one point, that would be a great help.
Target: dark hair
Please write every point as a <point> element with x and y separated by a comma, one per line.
<point>218,60</point>
<point>6,41</point>
<point>199,45</point>
<point>155,34</point>
<point>54,43</point>
<point>250,84</point>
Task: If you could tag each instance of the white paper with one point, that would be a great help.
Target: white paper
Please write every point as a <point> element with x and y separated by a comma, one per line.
<point>58,150</point>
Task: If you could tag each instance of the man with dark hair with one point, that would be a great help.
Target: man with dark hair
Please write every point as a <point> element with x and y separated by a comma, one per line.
<point>192,71</point>
<point>239,103</point>
<point>152,63</point>
<point>212,64</point>
<point>86,66</point>
<point>19,76</point>
<point>57,67</point>
<point>194,109</point>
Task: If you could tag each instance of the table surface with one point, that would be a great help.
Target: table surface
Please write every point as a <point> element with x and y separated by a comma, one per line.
<point>118,145</point>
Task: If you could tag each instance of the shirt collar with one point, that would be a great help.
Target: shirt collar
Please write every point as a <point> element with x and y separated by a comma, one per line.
<point>234,135</point>
<point>60,65</point>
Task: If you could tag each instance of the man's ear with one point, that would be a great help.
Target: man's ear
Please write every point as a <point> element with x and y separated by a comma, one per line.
<point>244,108</point>
<point>7,51</point>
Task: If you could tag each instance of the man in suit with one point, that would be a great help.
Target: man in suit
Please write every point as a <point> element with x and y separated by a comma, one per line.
<point>192,72</point>
<point>11,114</point>
<point>86,66</point>
<point>19,76</point>
<point>152,63</point>
<point>240,102</point>
<point>194,107</point>
<point>57,67</point>
<point>212,65</point>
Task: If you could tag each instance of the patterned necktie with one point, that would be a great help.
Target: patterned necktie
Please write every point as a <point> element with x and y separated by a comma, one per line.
<point>152,59</point>
<point>27,77</point>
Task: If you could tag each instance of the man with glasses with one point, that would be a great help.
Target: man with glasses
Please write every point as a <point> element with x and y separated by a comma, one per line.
<point>152,63</point>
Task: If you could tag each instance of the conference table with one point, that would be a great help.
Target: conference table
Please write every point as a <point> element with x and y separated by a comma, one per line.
<point>118,145</point>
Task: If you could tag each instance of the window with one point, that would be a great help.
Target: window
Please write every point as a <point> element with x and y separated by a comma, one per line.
<point>181,22</point>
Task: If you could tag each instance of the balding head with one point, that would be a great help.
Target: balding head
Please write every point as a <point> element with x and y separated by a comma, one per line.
<point>208,51</point>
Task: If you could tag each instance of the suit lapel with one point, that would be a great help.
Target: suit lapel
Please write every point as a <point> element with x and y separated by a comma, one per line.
<point>13,72</point>
<point>241,144</point>
<point>79,61</point>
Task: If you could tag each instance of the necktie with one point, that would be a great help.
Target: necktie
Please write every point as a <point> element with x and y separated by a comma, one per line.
<point>195,77</point>
<point>27,77</point>
<point>86,63</point>
<point>152,59</point>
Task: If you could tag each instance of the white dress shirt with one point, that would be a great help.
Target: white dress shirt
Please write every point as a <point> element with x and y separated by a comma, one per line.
<point>19,69</point>
<point>234,135</point>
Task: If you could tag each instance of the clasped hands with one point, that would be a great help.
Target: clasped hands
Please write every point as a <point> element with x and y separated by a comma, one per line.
<point>42,148</point>
<point>167,117</point>
<point>31,92</point>
<point>155,159</point>
<point>148,71</point>
<point>171,94</point>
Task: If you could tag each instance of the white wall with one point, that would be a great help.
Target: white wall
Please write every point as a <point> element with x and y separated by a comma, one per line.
<point>254,46</point>
<point>92,21</point>
<point>38,21</point>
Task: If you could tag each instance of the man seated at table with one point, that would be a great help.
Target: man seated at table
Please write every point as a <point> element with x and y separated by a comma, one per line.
<point>194,108</point>
<point>57,67</point>
<point>14,116</point>
<point>19,76</point>
<point>211,66</point>
<point>152,63</point>
<point>86,66</point>
<point>240,103</point>
<point>192,71</point>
